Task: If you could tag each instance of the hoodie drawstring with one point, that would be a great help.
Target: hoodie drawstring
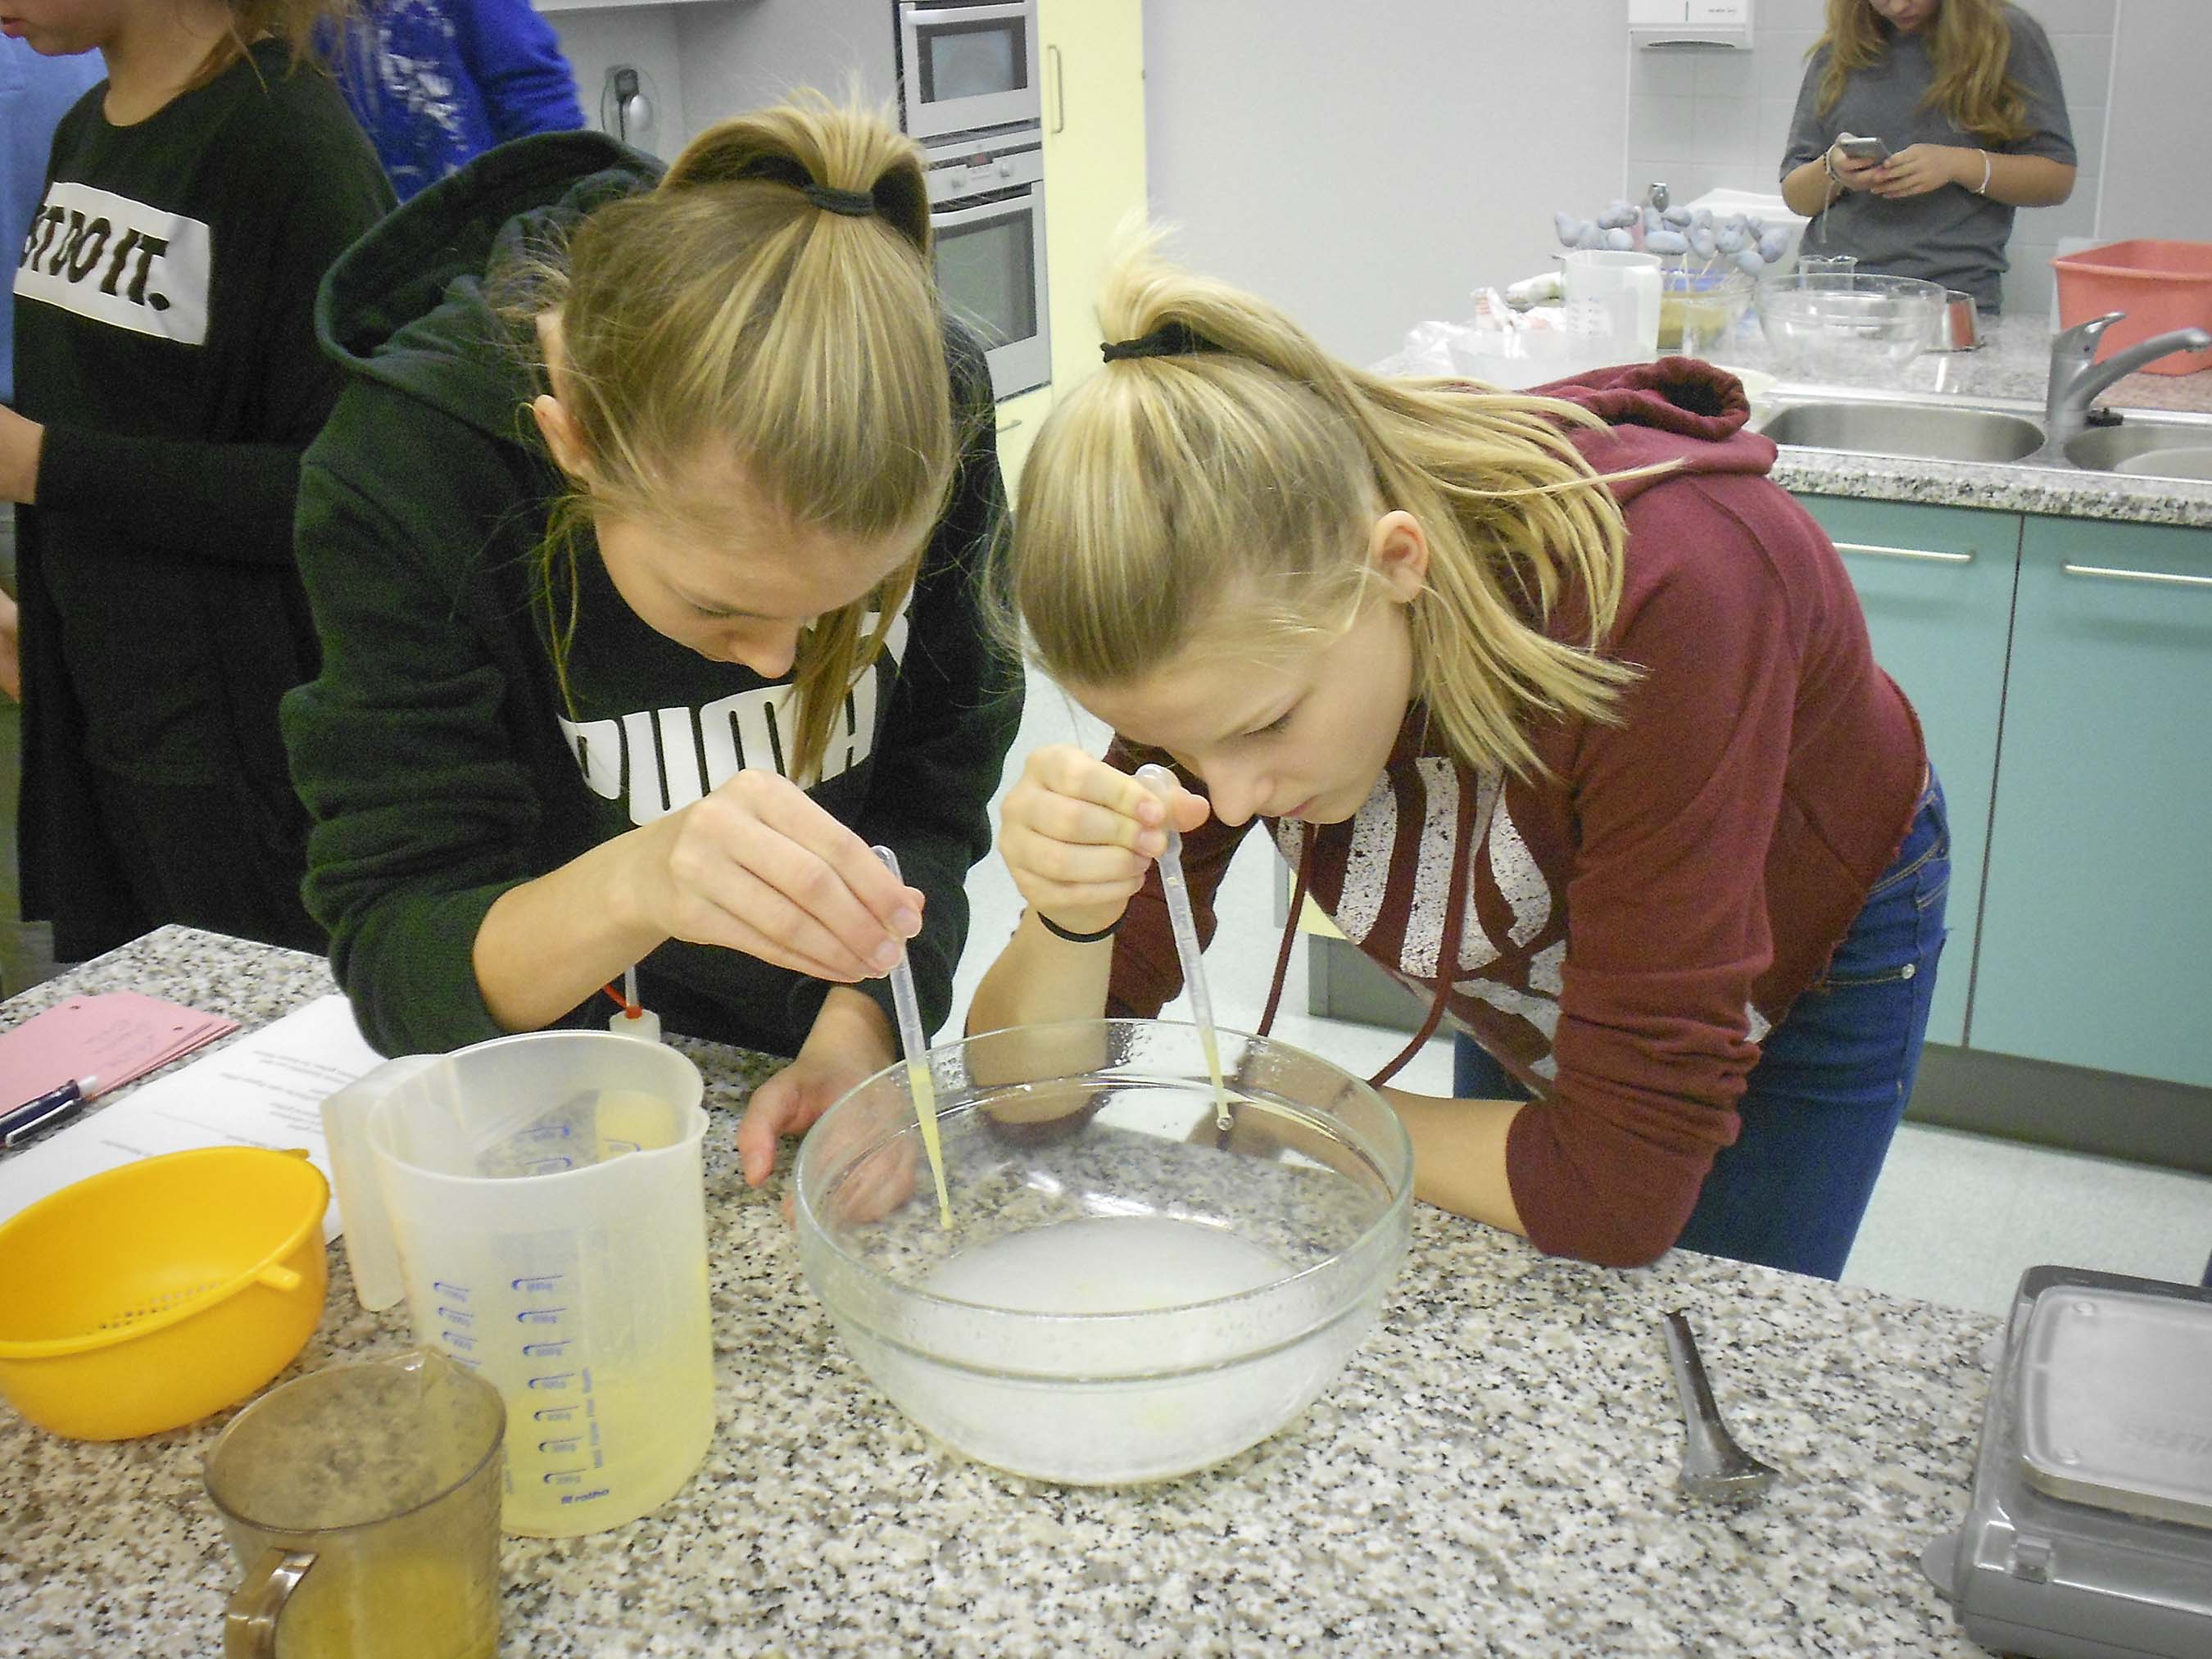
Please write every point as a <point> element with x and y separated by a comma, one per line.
<point>1447,955</point>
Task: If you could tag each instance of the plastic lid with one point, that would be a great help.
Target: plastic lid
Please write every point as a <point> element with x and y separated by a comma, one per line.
<point>2116,1401</point>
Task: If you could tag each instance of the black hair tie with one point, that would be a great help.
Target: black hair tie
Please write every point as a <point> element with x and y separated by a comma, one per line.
<point>1168,340</point>
<point>853,203</point>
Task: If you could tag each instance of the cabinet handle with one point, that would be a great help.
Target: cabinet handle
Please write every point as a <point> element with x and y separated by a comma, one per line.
<point>1004,427</point>
<point>2159,576</point>
<point>1059,90</point>
<point>1927,554</point>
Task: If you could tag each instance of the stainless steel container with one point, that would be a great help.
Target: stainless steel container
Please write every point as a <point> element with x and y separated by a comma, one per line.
<point>1960,327</point>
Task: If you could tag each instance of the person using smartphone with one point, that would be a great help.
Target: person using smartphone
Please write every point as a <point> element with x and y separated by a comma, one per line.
<point>1960,120</point>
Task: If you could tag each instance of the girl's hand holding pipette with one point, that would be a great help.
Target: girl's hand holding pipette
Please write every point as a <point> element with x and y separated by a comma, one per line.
<point>1077,836</point>
<point>759,866</point>
<point>756,865</point>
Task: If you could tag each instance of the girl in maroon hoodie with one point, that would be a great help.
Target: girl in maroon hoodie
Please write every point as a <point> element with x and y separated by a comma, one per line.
<point>1562,712</point>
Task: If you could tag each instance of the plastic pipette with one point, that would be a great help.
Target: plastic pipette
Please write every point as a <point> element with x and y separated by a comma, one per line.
<point>633,1021</point>
<point>1162,782</point>
<point>916,1045</point>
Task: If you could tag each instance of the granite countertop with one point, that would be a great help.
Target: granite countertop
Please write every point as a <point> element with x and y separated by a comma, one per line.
<point>1492,1473</point>
<point>2010,370</point>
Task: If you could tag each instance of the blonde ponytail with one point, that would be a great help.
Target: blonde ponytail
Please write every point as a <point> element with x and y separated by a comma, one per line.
<point>1169,488</point>
<point>770,302</point>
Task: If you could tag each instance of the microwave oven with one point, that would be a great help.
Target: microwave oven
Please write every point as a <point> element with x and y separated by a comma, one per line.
<point>966,66</point>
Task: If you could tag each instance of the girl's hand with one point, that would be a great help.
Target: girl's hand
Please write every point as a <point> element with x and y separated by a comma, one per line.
<point>20,441</point>
<point>1078,835</point>
<point>758,866</point>
<point>850,1043</point>
<point>11,649</point>
<point>1919,169</point>
<point>1854,175</point>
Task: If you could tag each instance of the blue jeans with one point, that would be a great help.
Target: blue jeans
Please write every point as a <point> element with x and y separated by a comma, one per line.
<point>1831,1083</point>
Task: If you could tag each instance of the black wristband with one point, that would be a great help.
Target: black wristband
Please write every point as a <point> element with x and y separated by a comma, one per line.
<point>1059,932</point>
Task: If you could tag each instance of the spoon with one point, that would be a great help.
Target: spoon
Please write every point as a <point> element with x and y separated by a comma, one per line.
<point>1715,1469</point>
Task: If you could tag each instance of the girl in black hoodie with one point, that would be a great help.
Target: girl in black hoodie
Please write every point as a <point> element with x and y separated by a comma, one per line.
<point>643,546</point>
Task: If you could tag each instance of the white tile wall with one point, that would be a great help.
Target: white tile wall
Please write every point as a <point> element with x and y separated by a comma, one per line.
<point>1365,166</point>
<point>643,38</point>
<point>1704,119</point>
<point>2161,128</point>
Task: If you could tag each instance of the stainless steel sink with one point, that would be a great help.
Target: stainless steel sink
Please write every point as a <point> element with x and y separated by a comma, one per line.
<point>1918,431</point>
<point>2147,450</point>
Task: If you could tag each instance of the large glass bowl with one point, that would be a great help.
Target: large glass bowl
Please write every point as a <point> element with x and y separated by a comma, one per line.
<point>1852,327</point>
<point>1698,309</point>
<point>1125,1292</point>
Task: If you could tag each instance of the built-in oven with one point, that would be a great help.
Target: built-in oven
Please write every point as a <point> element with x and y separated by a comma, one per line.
<point>964,66</point>
<point>987,208</point>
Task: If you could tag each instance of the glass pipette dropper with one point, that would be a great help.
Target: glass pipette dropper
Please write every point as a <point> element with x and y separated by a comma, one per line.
<point>916,1045</point>
<point>1162,782</point>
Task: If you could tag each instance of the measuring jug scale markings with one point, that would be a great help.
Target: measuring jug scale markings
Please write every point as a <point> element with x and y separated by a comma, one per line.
<point>557,1250</point>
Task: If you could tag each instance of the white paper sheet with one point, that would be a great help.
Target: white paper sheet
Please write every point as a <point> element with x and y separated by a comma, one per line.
<point>266,1089</point>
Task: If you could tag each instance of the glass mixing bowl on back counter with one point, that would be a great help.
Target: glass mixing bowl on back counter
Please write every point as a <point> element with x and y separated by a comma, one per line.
<point>1127,1292</point>
<point>1848,325</point>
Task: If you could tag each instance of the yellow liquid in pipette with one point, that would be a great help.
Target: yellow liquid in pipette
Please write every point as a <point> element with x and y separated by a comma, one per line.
<point>925,1110</point>
<point>1212,1046</point>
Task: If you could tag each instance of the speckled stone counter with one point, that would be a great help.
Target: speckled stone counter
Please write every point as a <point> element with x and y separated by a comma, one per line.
<point>1492,1473</point>
<point>2011,370</point>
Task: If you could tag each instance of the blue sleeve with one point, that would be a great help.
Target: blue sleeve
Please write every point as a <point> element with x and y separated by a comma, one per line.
<point>520,72</point>
<point>35,92</point>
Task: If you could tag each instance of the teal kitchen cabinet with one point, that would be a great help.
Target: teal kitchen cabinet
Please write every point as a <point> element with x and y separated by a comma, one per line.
<point>1936,585</point>
<point>2096,944</point>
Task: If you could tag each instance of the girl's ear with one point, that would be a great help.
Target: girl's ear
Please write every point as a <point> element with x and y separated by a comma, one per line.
<point>562,434</point>
<point>1397,552</point>
<point>555,424</point>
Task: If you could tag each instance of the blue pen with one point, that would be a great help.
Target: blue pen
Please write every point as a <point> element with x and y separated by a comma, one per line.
<point>51,1108</point>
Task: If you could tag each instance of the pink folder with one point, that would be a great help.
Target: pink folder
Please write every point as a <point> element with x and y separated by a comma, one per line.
<point>113,1038</point>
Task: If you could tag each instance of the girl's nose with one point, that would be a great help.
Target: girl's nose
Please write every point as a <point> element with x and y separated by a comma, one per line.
<point>769,654</point>
<point>1235,796</point>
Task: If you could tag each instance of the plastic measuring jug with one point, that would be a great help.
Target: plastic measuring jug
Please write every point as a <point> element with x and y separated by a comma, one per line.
<point>540,1202</point>
<point>363,1502</point>
<point>1616,294</point>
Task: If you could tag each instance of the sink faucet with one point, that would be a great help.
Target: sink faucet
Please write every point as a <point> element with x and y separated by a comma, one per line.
<point>2075,380</point>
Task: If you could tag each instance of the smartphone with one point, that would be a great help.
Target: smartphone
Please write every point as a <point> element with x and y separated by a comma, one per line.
<point>1862,149</point>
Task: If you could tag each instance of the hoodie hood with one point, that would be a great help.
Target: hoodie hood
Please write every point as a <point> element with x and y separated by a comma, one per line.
<point>1677,410</point>
<point>406,306</point>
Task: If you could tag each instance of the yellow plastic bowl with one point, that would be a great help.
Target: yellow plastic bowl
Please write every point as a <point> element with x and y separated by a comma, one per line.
<point>145,1298</point>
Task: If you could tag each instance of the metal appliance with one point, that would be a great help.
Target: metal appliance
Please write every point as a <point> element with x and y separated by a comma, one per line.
<point>966,66</point>
<point>987,208</point>
<point>2088,1535</point>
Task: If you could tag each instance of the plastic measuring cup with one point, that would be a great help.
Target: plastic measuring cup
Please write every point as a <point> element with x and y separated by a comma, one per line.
<point>362,1503</point>
<point>540,1202</point>
<point>1620,288</point>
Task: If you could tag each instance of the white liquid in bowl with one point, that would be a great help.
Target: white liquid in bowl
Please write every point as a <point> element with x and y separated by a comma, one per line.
<point>1100,1429</point>
<point>1123,1264</point>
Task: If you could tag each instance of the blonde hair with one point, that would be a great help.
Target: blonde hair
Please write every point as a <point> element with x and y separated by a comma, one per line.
<point>1166,489</point>
<point>1970,47</point>
<point>724,313</point>
<point>313,30</point>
